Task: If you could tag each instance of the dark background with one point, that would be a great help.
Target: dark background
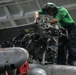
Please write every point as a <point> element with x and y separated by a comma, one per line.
<point>9,33</point>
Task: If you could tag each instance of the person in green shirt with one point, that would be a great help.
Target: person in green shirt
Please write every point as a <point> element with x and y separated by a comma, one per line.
<point>61,16</point>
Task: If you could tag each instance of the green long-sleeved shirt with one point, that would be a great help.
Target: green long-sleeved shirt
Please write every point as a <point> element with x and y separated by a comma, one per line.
<point>62,16</point>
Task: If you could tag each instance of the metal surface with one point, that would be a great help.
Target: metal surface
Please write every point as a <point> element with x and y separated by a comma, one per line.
<point>55,69</point>
<point>12,58</point>
<point>37,71</point>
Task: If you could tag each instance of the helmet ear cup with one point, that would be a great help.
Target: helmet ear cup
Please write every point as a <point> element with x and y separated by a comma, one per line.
<point>52,8</point>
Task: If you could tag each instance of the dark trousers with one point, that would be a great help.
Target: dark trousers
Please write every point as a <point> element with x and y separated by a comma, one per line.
<point>67,45</point>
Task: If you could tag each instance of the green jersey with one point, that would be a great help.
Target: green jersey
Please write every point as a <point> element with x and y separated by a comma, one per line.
<point>62,16</point>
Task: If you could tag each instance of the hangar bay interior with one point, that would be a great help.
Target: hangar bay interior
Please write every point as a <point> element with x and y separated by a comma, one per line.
<point>15,13</point>
<point>17,29</point>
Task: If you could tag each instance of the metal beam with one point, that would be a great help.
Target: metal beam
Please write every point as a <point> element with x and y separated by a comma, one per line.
<point>9,16</point>
<point>70,6</point>
<point>26,15</point>
<point>17,16</point>
<point>20,8</point>
<point>38,4</point>
<point>19,2</point>
<point>30,14</point>
<point>5,1</point>
<point>27,20</point>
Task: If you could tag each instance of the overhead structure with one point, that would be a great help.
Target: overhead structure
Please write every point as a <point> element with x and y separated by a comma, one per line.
<point>14,13</point>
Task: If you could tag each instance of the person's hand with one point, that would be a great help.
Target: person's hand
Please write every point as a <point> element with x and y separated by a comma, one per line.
<point>36,20</point>
<point>53,21</point>
<point>36,15</point>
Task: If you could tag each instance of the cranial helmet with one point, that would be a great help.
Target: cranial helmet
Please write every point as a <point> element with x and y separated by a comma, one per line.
<point>49,7</point>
